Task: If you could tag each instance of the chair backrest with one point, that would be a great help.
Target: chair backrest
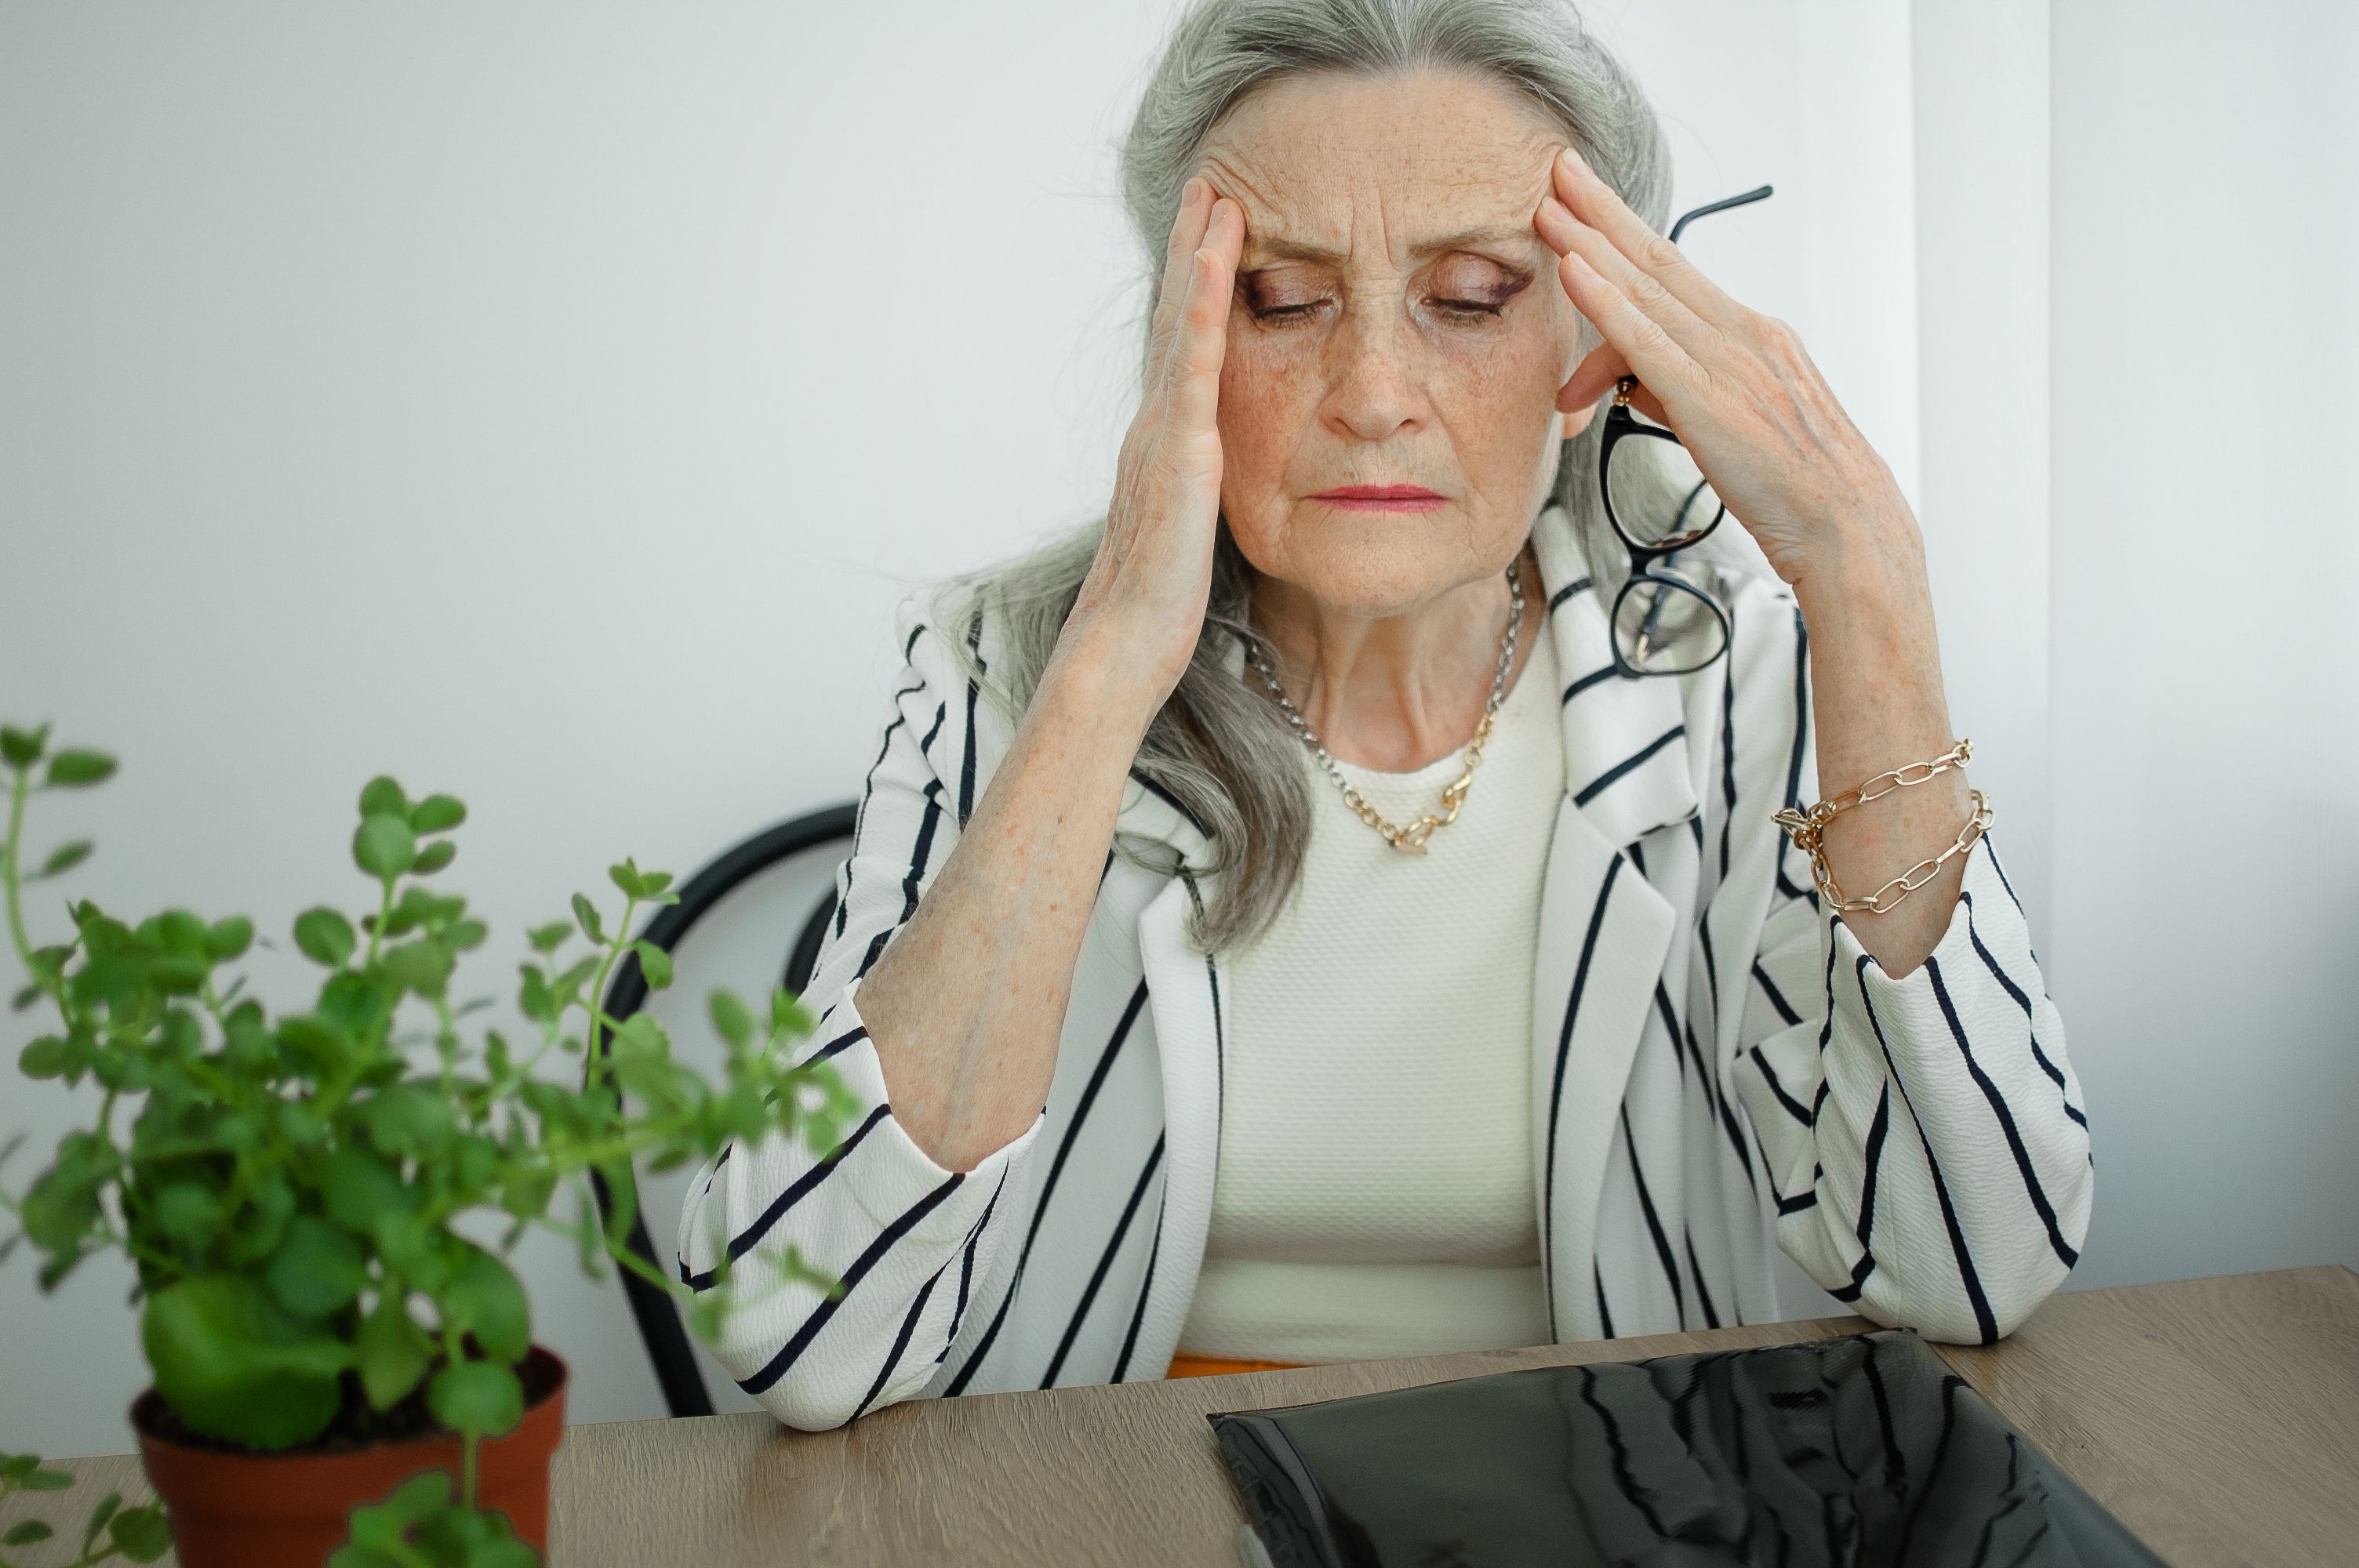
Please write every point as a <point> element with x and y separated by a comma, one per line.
<point>754,918</point>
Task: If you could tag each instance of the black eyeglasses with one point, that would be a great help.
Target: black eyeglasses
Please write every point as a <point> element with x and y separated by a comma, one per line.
<point>1660,504</point>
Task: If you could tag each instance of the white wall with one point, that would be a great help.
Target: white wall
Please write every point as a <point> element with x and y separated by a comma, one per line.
<point>2204,655</point>
<point>549,405</point>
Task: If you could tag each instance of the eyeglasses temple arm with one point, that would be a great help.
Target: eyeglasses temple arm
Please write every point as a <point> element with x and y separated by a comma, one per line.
<point>1755,194</point>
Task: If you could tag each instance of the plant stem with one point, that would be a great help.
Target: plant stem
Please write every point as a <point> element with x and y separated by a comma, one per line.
<point>376,926</point>
<point>597,1007</point>
<point>12,873</point>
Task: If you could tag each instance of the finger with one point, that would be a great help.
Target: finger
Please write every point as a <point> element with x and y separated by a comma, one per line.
<point>1648,350</point>
<point>1598,375</point>
<point>1201,342</point>
<point>1187,233</point>
<point>1567,235</point>
<point>1600,207</point>
<point>1593,378</point>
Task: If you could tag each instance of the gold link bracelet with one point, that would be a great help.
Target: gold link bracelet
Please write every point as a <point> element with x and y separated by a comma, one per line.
<point>1808,829</point>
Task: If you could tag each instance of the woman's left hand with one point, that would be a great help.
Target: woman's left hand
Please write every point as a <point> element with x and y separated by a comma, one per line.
<point>1735,385</point>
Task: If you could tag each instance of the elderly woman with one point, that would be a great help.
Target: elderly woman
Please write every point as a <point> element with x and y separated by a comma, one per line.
<point>1317,914</point>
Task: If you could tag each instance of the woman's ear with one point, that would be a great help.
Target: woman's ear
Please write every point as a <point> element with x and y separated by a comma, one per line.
<point>1574,423</point>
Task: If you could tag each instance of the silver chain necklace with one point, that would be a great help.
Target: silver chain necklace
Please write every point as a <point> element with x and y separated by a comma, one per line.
<point>1412,835</point>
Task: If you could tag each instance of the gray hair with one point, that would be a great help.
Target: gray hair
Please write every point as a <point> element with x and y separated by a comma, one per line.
<point>1219,746</point>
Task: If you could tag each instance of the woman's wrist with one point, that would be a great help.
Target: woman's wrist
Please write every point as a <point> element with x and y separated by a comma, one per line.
<point>1102,670</point>
<point>1095,677</point>
<point>1871,567</point>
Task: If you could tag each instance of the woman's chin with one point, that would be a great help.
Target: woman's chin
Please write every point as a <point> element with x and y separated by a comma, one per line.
<point>1377,566</point>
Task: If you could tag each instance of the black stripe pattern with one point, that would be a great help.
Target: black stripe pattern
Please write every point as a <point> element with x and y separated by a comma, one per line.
<point>1916,1142</point>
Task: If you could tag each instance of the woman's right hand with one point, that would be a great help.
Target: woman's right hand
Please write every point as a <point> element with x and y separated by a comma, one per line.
<point>1141,607</point>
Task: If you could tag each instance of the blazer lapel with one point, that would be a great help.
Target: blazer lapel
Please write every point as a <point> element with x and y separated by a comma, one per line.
<point>1187,1002</point>
<point>1628,759</point>
<point>1604,930</point>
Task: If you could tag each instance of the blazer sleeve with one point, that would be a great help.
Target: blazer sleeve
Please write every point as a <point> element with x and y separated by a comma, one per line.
<point>1924,1132</point>
<point>907,1240</point>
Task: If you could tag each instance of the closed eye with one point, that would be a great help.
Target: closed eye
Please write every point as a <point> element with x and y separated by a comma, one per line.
<point>1468,310</point>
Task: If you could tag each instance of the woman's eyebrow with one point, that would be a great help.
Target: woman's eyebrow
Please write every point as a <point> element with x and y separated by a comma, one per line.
<point>1279,248</point>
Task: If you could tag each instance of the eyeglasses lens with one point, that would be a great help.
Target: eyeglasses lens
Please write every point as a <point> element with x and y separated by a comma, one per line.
<point>1663,626</point>
<point>1658,492</point>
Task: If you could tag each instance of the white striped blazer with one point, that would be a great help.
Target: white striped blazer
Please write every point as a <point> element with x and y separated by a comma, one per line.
<point>1715,1060</point>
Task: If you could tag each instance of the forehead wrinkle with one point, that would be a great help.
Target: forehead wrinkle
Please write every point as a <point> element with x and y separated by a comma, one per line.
<point>1442,164</point>
<point>1504,237</point>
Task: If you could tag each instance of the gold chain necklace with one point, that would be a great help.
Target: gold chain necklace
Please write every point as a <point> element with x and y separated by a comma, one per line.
<point>1412,836</point>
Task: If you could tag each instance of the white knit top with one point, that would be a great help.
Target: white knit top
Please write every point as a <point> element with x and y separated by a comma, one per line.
<point>1376,1190</point>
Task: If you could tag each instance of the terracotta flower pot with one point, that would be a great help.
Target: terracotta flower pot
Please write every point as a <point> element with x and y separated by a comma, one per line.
<point>236,1510</point>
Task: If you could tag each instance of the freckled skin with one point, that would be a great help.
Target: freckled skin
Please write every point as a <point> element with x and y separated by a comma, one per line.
<point>1374,379</point>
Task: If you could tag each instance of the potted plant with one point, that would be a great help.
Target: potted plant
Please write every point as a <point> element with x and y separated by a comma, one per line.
<point>318,1203</point>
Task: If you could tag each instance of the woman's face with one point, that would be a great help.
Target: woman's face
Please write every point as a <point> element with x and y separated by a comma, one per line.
<point>1397,321</point>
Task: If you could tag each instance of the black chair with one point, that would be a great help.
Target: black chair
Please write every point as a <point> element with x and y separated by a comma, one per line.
<point>670,1348</point>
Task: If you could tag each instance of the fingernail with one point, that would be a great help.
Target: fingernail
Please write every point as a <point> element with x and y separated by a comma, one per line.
<point>1571,159</point>
<point>1190,193</point>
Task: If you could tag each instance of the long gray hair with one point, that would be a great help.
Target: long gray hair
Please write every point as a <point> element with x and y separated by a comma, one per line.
<point>1219,746</point>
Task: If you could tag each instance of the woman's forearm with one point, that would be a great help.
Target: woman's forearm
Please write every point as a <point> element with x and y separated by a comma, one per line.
<point>1875,673</point>
<point>966,1004</point>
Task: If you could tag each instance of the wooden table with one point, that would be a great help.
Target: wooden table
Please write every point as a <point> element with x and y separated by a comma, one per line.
<point>2219,1418</point>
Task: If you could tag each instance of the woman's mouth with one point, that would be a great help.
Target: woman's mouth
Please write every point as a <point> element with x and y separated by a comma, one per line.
<point>1382,498</point>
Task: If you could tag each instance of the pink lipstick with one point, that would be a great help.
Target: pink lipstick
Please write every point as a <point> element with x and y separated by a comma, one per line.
<point>1381,498</point>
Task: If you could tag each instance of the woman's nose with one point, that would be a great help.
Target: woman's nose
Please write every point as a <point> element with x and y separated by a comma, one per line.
<point>1373,389</point>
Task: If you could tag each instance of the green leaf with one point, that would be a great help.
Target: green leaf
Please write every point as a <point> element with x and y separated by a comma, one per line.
<point>549,938</point>
<point>586,914</point>
<point>467,935</point>
<point>316,1043</point>
<point>423,965</point>
<point>73,769</point>
<point>318,1268</point>
<point>393,1351</point>
<point>22,747</point>
<point>143,1534</point>
<point>63,1205</point>
<point>654,882</point>
<point>262,1222</point>
<point>98,1518</point>
<point>527,1193</point>
<point>508,1553</point>
<point>437,813</point>
<point>533,997</point>
<point>790,1020</point>
<point>228,938</point>
<point>485,1299</point>
<point>384,846</point>
<point>626,876</point>
<point>362,1191</point>
<point>479,1397</point>
<point>418,1498</point>
<point>65,858</point>
<point>45,1481</point>
<point>654,963</point>
<point>408,1118</point>
<point>23,1532</point>
<point>383,797</point>
<point>731,1016</point>
<point>233,1372</point>
<point>186,1212</point>
<point>325,936</point>
<point>434,857</point>
<point>46,1057</point>
<point>25,998</point>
